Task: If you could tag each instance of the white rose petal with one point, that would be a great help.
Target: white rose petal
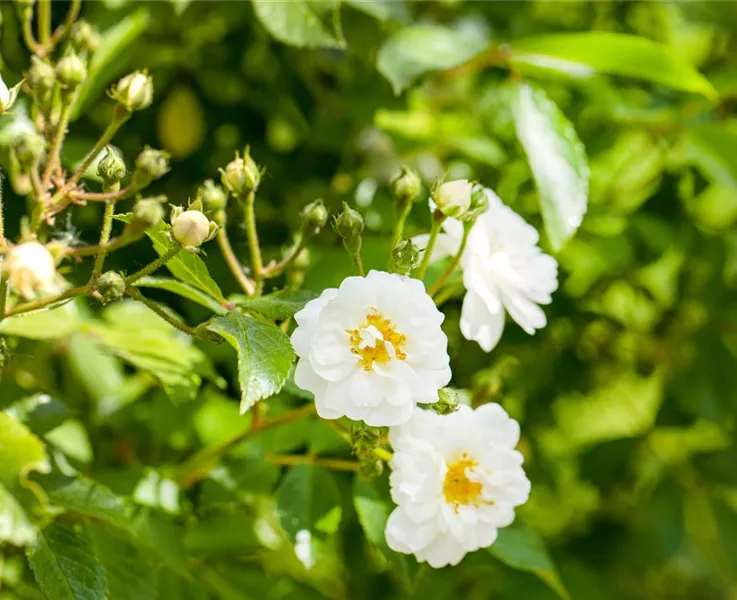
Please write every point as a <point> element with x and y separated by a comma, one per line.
<point>453,198</point>
<point>456,479</point>
<point>504,271</point>
<point>4,95</point>
<point>371,349</point>
<point>31,270</point>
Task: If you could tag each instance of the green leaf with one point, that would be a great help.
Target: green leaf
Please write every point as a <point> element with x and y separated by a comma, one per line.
<point>711,148</point>
<point>183,289</point>
<point>129,572</point>
<point>264,355</point>
<point>65,566</point>
<point>278,305</point>
<point>15,527</point>
<point>421,49</point>
<point>557,159</point>
<point>44,324</point>
<point>298,23</point>
<point>40,412</point>
<point>222,533</point>
<point>373,508</point>
<point>21,451</point>
<point>187,266</point>
<point>308,499</point>
<point>522,548</point>
<point>111,58</point>
<point>615,54</point>
<point>383,10</point>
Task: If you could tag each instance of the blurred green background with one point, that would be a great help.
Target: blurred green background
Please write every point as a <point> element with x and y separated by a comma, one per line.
<point>627,400</point>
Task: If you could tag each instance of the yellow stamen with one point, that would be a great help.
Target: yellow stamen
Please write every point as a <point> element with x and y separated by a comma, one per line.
<point>457,487</point>
<point>379,350</point>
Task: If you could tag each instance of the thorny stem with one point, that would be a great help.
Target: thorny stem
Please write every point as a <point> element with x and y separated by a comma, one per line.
<point>453,263</point>
<point>3,294</point>
<point>151,267</point>
<point>201,463</point>
<point>43,302</point>
<point>254,249</point>
<point>104,196</point>
<point>54,155</point>
<point>44,21</point>
<point>276,269</point>
<point>105,138</point>
<point>168,317</point>
<point>437,223</point>
<point>306,459</point>
<point>63,29</point>
<point>107,225</point>
<point>116,244</point>
<point>233,264</point>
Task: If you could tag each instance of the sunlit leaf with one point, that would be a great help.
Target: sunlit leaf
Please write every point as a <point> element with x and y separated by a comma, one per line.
<point>278,305</point>
<point>297,23</point>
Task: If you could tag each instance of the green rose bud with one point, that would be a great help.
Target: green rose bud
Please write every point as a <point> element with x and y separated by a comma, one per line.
<point>405,256</point>
<point>214,197</point>
<point>406,187</point>
<point>41,75</point>
<point>150,164</point>
<point>241,175</point>
<point>111,168</point>
<point>349,226</point>
<point>71,71</point>
<point>134,91</point>
<point>314,217</point>
<point>447,402</point>
<point>111,286</point>
<point>146,214</point>
<point>478,206</point>
<point>85,37</point>
<point>29,149</point>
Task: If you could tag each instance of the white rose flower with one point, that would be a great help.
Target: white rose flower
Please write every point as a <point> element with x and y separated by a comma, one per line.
<point>453,198</point>
<point>503,270</point>
<point>456,480</point>
<point>371,349</point>
<point>191,228</point>
<point>31,270</point>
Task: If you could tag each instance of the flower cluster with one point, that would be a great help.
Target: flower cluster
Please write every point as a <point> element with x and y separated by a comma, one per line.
<point>373,349</point>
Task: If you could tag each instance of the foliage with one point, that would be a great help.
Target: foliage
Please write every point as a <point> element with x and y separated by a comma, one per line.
<point>126,467</point>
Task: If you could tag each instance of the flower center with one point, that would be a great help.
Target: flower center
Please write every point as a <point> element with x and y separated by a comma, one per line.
<point>376,341</point>
<point>458,489</point>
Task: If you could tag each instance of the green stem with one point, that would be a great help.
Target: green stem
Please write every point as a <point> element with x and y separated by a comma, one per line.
<point>151,267</point>
<point>199,465</point>
<point>3,294</point>
<point>56,143</point>
<point>305,459</point>
<point>254,249</point>
<point>168,317</point>
<point>116,244</point>
<point>104,196</point>
<point>44,21</point>
<point>453,264</point>
<point>107,226</point>
<point>399,225</point>
<point>28,37</point>
<point>358,263</point>
<point>289,257</point>
<point>107,135</point>
<point>233,264</point>
<point>437,223</point>
<point>43,302</point>
<point>63,30</point>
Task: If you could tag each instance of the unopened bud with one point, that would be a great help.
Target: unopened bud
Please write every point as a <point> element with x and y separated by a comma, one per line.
<point>146,214</point>
<point>406,187</point>
<point>134,91</point>
<point>8,95</point>
<point>453,198</point>
<point>150,164</point>
<point>85,37</point>
<point>41,75</point>
<point>479,205</point>
<point>241,175</point>
<point>191,228</point>
<point>349,226</point>
<point>447,403</point>
<point>314,217</point>
<point>405,256</point>
<point>371,467</point>
<point>111,286</point>
<point>213,196</point>
<point>29,149</point>
<point>71,71</point>
<point>111,167</point>
<point>30,269</point>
